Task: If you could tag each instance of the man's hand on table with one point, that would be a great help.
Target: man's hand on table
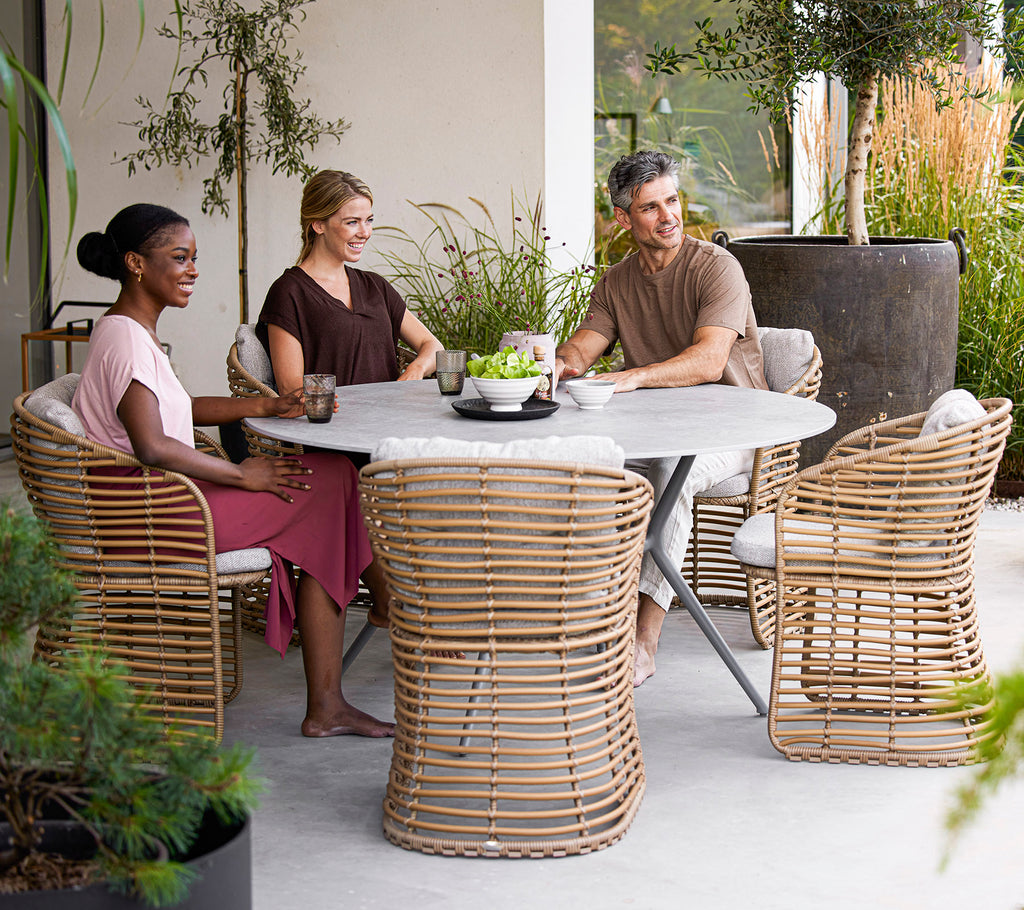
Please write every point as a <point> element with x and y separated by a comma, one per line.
<point>625,380</point>
<point>561,370</point>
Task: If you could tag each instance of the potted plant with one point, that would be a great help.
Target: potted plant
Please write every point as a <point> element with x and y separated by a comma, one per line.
<point>250,45</point>
<point>95,796</point>
<point>883,314</point>
<point>958,165</point>
<point>478,289</point>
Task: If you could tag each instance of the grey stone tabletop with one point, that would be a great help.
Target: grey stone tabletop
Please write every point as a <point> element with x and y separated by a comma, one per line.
<point>647,423</point>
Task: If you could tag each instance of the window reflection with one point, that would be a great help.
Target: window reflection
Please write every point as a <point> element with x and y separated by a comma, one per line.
<point>735,172</point>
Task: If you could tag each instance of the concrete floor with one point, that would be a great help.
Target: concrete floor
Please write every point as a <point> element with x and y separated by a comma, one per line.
<point>726,822</point>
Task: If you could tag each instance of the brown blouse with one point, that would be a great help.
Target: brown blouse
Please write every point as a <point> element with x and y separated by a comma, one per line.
<point>357,345</point>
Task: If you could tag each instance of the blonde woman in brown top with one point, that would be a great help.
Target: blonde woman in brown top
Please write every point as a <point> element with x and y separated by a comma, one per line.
<point>323,315</point>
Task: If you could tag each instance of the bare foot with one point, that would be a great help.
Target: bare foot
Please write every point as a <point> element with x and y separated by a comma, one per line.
<point>644,664</point>
<point>379,619</point>
<point>649,619</point>
<point>347,722</point>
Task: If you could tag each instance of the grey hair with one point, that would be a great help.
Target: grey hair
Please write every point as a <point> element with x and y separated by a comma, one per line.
<point>631,172</point>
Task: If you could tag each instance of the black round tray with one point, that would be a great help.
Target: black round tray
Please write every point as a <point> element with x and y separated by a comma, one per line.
<point>479,409</point>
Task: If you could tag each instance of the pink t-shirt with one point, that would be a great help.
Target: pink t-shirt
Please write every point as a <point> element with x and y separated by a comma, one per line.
<point>120,350</point>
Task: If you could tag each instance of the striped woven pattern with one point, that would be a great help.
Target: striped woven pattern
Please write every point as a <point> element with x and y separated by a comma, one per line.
<point>513,624</point>
<point>878,654</point>
<point>712,572</point>
<point>158,610</point>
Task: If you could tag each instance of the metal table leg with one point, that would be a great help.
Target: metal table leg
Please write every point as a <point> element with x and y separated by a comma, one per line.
<point>655,546</point>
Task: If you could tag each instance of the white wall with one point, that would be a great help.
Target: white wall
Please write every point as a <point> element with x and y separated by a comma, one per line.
<point>569,125</point>
<point>447,100</point>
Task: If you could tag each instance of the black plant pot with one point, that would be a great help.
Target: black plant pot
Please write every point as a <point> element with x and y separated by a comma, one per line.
<point>884,317</point>
<point>221,858</point>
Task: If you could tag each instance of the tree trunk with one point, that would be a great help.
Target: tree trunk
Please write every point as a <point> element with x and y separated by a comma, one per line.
<point>243,206</point>
<point>861,134</point>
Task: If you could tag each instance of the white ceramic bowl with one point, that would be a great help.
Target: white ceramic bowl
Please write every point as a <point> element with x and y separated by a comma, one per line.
<point>589,394</point>
<point>506,394</point>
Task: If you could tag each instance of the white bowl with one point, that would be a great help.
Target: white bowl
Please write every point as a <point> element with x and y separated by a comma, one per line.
<point>589,394</point>
<point>506,394</point>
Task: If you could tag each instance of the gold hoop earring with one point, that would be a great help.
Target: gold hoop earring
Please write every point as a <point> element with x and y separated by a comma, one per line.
<point>140,277</point>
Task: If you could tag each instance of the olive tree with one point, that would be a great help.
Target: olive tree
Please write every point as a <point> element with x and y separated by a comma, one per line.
<point>261,119</point>
<point>775,45</point>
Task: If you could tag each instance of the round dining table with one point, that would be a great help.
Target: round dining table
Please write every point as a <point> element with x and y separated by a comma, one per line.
<point>646,423</point>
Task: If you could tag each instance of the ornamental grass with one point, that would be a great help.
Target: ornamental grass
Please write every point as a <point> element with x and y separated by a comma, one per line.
<point>932,169</point>
<point>470,283</point>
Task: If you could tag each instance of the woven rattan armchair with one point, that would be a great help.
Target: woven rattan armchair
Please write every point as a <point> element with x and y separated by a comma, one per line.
<point>141,553</point>
<point>877,635</point>
<point>522,742</point>
<point>792,366</point>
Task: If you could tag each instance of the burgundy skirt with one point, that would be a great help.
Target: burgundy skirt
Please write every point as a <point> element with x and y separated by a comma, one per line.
<point>322,532</point>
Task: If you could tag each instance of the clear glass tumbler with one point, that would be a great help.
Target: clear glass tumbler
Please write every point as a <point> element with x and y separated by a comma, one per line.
<point>318,389</point>
<point>451,371</point>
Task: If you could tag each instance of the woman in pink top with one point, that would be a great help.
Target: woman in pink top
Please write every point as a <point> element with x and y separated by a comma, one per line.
<point>305,511</point>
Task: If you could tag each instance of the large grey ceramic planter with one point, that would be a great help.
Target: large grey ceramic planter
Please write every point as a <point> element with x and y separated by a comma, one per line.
<point>884,317</point>
<point>221,859</point>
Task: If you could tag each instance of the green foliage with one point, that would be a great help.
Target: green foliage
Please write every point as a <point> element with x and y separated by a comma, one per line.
<point>80,741</point>
<point>505,364</point>
<point>773,46</point>
<point>990,349</point>
<point>28,585</point>
<point>1003,756</point>
<point>244,47</point>
<point>470,286</point>
<point>20,93</point>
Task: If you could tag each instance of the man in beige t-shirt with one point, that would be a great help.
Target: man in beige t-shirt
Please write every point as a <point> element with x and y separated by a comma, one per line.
<point>681,309</point>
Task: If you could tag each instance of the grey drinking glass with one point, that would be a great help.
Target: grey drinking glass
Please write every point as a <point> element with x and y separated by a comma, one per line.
<point>451,371</point>
<point>318,389</point>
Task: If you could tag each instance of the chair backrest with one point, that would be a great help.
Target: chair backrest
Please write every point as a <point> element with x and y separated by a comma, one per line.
<point>892,501</point>
<point>792,362</point>
<point>150,525</point>
<point>252,356</point>
<point>505,546</point>
<point>250,375</point>
<point>52,403</point>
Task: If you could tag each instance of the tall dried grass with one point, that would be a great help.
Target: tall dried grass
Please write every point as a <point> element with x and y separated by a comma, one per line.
<point>940,166</point>
<point>933,169</point>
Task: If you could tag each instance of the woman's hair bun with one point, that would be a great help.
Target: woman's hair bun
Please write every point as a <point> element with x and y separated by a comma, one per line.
<point>132,230</point>
<point>98,254</point>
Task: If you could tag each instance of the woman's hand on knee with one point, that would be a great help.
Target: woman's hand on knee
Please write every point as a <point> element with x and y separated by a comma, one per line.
<point>273,475</point>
